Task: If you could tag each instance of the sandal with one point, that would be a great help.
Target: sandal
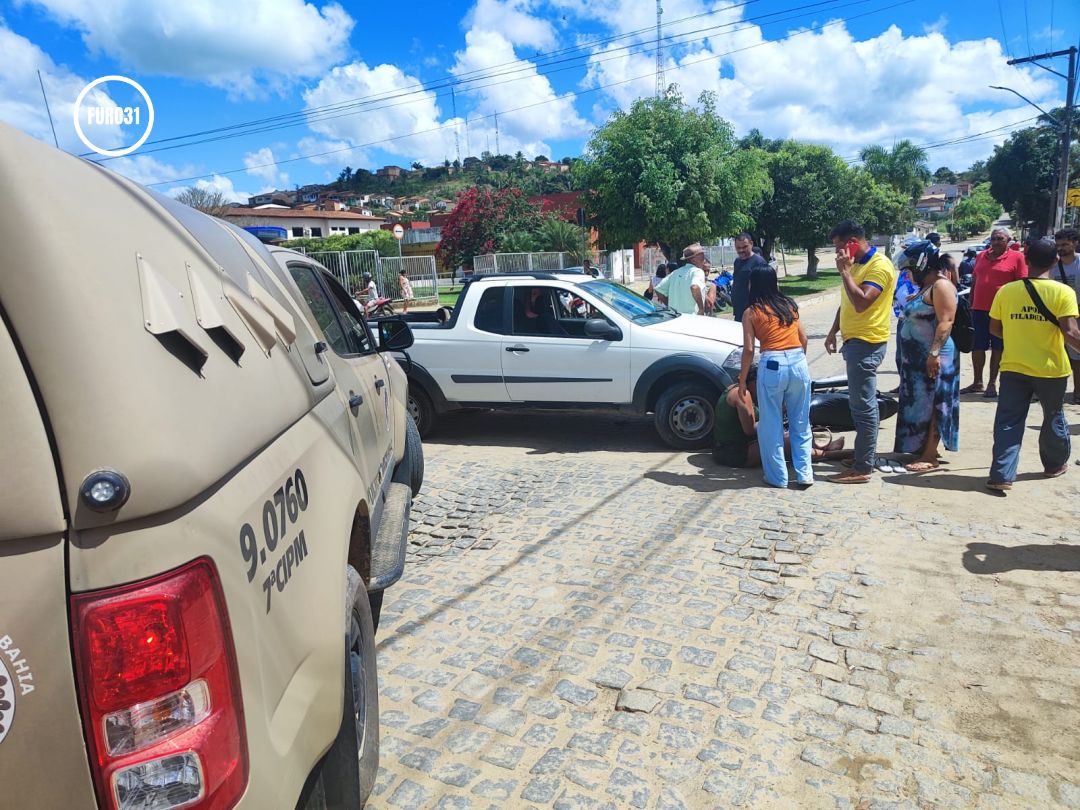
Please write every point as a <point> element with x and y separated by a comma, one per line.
<point>999,486</point>
<point>990,393</point>
<point>921,466</point>
<point>851,478</point>
<point>974,388</point>
<point>1064,468</point>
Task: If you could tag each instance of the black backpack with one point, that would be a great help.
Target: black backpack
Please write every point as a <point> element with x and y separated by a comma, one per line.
<point>963,326</point>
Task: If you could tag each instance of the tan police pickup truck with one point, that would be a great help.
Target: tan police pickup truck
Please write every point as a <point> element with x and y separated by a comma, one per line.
<point>206,471</point>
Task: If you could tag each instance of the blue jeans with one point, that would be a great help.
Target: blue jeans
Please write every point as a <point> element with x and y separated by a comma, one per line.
<point>863,360</point>
<point>783,382</point>
<point>1014,399</point>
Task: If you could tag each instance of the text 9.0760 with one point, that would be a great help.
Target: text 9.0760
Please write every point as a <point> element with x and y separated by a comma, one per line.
<point>279,513</point>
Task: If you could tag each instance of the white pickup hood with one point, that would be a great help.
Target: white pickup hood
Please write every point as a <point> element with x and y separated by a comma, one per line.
<point>698,326</point>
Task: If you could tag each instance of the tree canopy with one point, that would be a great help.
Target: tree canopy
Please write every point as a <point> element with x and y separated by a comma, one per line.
<point>903,167</point>
<point>380,240</point>
<point>669,174</point>
<point>209,201</point>
<point>976,213</point>
<point>486,221</point>
<point>1022,172</point>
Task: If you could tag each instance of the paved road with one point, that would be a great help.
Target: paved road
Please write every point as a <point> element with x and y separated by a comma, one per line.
<point>591,620</point>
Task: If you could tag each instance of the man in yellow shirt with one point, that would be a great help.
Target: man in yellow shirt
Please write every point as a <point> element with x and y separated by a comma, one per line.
<point>869,281</point>
<point>1036,317</point>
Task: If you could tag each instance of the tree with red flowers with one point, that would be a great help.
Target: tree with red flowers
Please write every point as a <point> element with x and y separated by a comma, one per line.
<point>483,220</point>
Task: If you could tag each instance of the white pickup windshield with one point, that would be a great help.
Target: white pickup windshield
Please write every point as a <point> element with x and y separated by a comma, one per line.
<point>628,303</point>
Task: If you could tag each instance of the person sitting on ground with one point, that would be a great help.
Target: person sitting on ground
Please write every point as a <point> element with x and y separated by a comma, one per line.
<point>929,412</point>
<point>735,431</point>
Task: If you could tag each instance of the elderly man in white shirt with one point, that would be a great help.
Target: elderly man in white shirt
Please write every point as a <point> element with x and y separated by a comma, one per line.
<point>683,289</point>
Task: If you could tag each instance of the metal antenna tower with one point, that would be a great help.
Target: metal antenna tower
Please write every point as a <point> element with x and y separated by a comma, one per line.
<point>457,127</point>
<point>659,51</point>
<point>498,149</point>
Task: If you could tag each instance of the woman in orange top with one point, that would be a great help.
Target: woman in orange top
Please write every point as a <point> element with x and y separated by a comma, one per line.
<point>783,378</point>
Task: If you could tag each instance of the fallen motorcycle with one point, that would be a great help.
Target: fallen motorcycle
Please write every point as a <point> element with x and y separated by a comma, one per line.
<point>829,404</point>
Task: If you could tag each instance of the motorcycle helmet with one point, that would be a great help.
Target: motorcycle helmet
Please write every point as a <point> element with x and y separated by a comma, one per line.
<point>915,256</point>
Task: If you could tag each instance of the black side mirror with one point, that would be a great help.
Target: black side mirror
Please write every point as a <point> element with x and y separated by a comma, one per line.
<point>394,335</point>
<point>602,330</point>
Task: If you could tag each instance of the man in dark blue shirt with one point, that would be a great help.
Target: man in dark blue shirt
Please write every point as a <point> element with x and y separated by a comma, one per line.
<point>746,260</point>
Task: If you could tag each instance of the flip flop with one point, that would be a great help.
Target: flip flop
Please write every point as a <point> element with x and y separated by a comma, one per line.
<point>999,486</point>
<point>972,389</point>
<point>921,466</point>
<point>990,393</point>
<point>1064,468</point>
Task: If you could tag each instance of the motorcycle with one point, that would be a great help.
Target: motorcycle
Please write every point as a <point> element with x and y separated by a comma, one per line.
<point>379,307</point>
<point>830,409</point>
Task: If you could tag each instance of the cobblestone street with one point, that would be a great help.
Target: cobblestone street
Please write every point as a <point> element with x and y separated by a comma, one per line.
<point>611,624</point>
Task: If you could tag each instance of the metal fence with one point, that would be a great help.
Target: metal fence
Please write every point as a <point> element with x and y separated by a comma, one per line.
<point>520,263</point>
<point>720,256</point>
<point>349,267</point>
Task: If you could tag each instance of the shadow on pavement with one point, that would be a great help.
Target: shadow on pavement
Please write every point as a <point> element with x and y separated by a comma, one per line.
<point>550,431</point>
<point>991,558</point>
<point>936,479</point>
<point>712,478</point>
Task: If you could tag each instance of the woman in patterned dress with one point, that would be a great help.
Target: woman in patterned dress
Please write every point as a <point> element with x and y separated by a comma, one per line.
<point>929,413</point>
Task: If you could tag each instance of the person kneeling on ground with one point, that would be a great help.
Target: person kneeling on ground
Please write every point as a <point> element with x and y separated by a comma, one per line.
<point>735,433</point>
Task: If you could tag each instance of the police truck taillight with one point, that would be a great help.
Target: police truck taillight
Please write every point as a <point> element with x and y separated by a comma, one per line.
<point>160,693</point>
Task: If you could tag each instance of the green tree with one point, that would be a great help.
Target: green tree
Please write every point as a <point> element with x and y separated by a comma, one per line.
<point>976,213</point>
<point>669,174</point>
<point>812,190</point>
<point>559,236</point>
<point>903,167</point>
<point>1022,172</point>
<point>380,240</point>
<point>486,221</point>
<point>945,175</point>
<point>975,173</point>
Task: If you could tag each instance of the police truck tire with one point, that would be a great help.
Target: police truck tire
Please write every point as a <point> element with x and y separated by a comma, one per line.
<point>346,774</point>
<point>411,469</point>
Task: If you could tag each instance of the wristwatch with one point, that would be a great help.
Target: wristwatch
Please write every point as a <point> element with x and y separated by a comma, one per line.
<point>935,352</point>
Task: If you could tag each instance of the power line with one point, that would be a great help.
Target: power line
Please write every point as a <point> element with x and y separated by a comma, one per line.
<point>598,88</point>
<point>988,134</point>
<point>348,107</point>
<point>1004,35</point>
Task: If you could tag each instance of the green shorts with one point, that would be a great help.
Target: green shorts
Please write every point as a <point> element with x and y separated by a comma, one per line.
<point>731,454</point>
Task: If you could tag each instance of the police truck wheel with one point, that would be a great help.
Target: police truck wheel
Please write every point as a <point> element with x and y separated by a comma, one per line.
<point>685,415</point>
<point>347,772</point>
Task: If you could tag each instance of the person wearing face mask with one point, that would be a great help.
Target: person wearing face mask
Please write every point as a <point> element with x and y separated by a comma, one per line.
<point>929,412</point>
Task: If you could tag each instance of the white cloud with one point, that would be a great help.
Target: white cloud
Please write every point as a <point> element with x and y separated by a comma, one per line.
<point>22,105</point>
<point>217,183</point>
<point>411,119</point>
<point>514,20</point>
<point>145,170</point>
<point>261,164</point>
<point>235,45</point>
<point>340,152</point>
<point>921,86</point>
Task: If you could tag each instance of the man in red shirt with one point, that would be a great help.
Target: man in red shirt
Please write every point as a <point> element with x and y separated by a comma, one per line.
<point>994,268</point>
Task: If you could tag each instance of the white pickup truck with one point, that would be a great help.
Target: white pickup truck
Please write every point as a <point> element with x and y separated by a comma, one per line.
<point>571,341</point>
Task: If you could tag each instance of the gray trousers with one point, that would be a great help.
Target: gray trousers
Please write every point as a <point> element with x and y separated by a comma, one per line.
<point>863,360</point>
<point>1014,399</point>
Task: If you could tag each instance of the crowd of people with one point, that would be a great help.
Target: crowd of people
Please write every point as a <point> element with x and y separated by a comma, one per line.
<point>1021,306</point>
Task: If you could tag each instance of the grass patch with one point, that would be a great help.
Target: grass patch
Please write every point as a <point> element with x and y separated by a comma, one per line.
<point>795,286</point>
<point>449,297</point>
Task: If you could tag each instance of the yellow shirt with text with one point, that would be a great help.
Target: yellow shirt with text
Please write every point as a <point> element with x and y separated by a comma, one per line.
<point>1033,345</point>
<point>871,325</point>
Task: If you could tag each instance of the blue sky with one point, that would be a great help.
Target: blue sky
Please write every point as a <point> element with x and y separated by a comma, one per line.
<point>370,83</point>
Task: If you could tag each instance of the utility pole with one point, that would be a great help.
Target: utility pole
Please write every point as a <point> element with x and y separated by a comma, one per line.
<point>1065,127</point>
<point>659,51</point>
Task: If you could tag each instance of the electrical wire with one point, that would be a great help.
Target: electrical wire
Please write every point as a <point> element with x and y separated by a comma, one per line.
<point>348,107</point>
<point>598,88</point>
<point>1004,35</point>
